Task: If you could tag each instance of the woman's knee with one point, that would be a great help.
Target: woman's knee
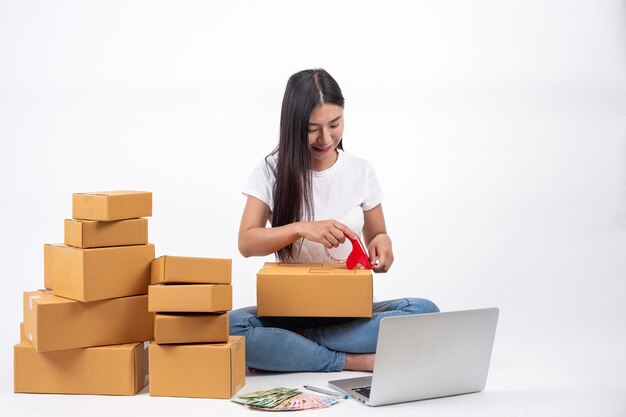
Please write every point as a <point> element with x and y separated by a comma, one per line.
<point>239,320</point>
<point>422,305</point>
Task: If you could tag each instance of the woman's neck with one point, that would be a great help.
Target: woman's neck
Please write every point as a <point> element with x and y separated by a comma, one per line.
<point>322,165</point>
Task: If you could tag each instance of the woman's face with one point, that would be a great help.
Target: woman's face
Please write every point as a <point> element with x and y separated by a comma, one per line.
<point>325,132</point>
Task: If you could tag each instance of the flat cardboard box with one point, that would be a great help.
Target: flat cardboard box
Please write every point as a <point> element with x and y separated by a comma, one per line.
<point>95,234</point>
<point>199,370</point>
<point>313,290</point>
<point>190,328</point>
<point>111,205</point>
<point>188,270</point>
<point>104,370</point>
<point>57,323</point>
<point>98,273</point>
<point>193,298</point>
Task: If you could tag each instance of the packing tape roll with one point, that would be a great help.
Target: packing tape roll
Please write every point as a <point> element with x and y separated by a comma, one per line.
<point>30,300</point>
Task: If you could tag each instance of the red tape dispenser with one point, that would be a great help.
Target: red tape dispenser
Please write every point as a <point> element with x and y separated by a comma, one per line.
<point>358,255</point>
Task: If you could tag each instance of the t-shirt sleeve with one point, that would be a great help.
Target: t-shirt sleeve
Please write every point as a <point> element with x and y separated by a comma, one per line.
<point>374,195</point>
<point>260,183</point>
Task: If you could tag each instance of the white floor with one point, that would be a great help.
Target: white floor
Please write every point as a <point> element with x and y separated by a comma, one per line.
<point>534,379</point>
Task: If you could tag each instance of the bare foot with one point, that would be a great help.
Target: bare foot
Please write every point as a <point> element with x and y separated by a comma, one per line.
<point>360,362</point>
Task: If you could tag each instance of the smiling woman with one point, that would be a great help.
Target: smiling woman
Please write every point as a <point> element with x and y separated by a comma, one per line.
<point>325,133</point>
<point>304,189</point>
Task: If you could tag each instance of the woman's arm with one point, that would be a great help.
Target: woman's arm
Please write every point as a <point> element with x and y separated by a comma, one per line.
<point>255,239</point>
<point>376,239</point>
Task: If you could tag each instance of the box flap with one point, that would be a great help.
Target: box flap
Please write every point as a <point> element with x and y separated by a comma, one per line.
<point>111,193</point>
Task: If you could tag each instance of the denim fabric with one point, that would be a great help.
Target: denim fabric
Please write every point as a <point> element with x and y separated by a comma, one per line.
<point>305,344</point>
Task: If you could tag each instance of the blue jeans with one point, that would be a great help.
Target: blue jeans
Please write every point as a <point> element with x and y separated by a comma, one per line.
<point>314,344</point>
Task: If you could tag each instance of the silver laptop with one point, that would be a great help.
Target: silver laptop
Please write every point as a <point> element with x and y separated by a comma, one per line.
<point>427,356</point>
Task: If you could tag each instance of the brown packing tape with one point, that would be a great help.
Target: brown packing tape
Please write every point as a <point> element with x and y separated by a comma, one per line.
<point>330,271</point>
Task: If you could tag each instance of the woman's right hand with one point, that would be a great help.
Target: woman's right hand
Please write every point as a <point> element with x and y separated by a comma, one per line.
<point>329,233</point>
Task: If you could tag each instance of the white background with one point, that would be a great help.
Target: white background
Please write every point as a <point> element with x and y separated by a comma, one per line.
<point>497,129</point>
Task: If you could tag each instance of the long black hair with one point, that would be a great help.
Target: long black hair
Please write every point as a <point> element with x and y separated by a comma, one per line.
<point>293,197</point>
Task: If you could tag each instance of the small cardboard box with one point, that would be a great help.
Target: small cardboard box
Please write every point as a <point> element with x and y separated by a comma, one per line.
<point>104,370</point>
<point>98,273</point>
<point>200,370</point>
<point>313,290</point>
<point>188,270</point>
<point>57,323</point>
<point>95,234</point>
<point>111,205</point>
<point>190,328</point>
<point>193,298</point>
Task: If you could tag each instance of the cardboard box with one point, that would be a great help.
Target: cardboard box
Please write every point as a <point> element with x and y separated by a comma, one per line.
<point>105,370</point>
<point>188,270</point>
<point>200,370</point>
<point>98,273</point>
<point>111,205</point>
<point>190,328</point>
<point>95,234</point>
<point>313,290</point>
<point>194,298</point>
<point>56,323</point>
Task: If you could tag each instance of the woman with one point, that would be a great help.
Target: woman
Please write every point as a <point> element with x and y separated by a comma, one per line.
<point>313,195</point>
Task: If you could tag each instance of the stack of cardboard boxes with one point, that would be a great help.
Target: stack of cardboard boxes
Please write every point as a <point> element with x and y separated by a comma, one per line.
<point>85,333</point>
<point>192,354</point>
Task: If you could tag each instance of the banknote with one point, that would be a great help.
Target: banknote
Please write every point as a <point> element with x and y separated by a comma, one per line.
<point>284,399</point>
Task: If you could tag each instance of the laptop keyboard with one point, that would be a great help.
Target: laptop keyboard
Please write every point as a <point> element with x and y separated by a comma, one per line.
<point>364,391</point>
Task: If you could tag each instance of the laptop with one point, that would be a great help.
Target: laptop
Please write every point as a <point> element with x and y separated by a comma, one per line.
<point>424,356</point>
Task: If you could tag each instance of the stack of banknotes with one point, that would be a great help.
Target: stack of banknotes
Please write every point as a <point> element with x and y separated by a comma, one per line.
<point>284,399</point>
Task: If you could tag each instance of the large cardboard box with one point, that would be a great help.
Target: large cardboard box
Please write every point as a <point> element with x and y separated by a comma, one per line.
<point>56,323</point>
<point>313,290</point>
<point>111,205</point>
<point>105,370</point>
<point>199,370</point>
<point>189,270</point>
<point>95,234</point>
<point>98,273</point>
<point>190,328</point>
<point>194,298</point>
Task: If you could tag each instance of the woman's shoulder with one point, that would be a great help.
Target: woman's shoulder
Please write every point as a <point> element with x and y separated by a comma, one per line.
<point>356,162</point>
<point>267,165</point>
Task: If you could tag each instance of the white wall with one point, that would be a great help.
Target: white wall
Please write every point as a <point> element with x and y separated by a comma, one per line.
<point>497,129</point>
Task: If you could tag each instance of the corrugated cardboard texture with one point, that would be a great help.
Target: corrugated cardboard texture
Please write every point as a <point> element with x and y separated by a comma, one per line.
<point>95,234</point>
<point>111,205</point>
<point>313,290</point>
<point>200,370</point>
<point>188,270</point>
<point>191,328</point>
<point>56,323</point>
<point>110,370</point>
<point>98,273</point>
<point>194,298</point>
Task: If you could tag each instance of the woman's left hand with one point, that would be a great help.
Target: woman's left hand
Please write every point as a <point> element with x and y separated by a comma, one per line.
<point>380,248</point>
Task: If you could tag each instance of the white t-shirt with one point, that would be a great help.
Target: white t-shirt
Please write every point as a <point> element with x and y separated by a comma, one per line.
<point>342,192</point>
